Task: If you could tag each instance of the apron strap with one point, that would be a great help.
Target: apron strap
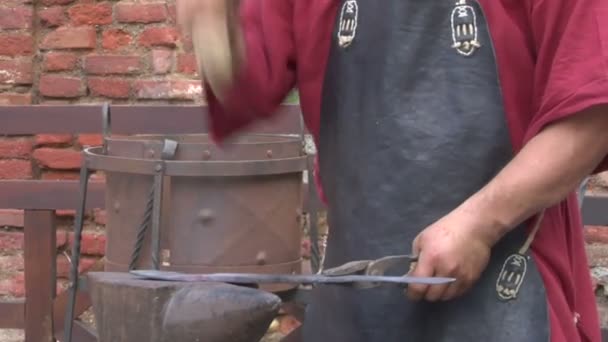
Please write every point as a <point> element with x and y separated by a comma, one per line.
<point>532,235</point>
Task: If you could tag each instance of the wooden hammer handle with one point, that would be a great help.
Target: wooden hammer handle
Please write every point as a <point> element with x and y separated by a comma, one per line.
<point>218,46</point>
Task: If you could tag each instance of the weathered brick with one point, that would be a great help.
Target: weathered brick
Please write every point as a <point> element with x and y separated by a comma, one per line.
<point>10,218</point>
<point>186,43</point>
<point>14,286</point>
<point>52,139</point>
<point>60,86</point>
<point>115,39</point>
<point>597,254</point>
<point>52,16</point>
<point>60,61</point>
<point>100,217</point>
<point>64,266</point>
<point>143,13</point>
<point>65,213</point>
<point>58,175</point>
<point>172,12</point>
<point>91,14</point>
<point>13,99</point>
<point>15,147</point>
<point>11,263</point>
<point>159,36</point>
<point>596,234</point>
<point>91,244</point>
<point>152,89</point>
<point>17,17</point>
<point>61,238</point>
<point>163,89</point>
<point>186,90</point>
<point>58,158</point>
<point>162,60</point>
<point>56,2</point>
<point>16,44</point>
<point>82,37</point>
<point>15,169</point>
<point>186,64</point>
<point>110,87</point>
<point>105,65</point>
<point>16,71</point>
<point>11,241</point>
<point>90,140</point>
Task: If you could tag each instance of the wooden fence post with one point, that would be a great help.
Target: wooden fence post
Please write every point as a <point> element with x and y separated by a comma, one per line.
<point>40,274</point>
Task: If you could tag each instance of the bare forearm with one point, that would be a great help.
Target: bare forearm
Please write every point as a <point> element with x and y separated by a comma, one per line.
<point>545,171</point>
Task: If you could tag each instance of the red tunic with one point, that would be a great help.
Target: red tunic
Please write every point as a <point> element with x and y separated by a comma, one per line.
<point>552,58</point>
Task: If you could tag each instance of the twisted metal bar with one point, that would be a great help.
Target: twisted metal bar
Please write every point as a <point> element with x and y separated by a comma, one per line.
<point>151,217</point>
<point>78,225</point>
<point>143,228</point>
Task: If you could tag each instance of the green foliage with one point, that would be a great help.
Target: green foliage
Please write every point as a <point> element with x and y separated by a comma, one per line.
<point>292,98</point>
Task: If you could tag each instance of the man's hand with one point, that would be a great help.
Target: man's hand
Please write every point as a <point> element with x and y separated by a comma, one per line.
<point>548,168</point>
<point>452,247</point>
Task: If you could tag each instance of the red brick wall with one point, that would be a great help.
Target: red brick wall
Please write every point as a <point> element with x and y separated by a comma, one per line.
<point>80,51</point>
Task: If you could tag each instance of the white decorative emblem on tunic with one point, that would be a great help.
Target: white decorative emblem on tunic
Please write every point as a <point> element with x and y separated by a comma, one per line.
<point>464,29</point>
<point>349,16</point>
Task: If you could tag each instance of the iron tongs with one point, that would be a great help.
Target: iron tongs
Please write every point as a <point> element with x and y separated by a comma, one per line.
<point>360,273</point>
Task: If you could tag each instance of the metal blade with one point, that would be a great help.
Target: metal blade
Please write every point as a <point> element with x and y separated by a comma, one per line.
<point>253,278</point>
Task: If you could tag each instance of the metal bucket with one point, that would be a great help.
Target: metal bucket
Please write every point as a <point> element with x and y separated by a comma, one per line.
<point>233,208</point>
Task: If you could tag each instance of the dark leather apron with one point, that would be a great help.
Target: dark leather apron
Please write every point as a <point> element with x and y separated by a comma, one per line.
<point>412,124</point>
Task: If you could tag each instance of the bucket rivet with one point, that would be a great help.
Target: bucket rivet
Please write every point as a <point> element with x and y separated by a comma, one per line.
<point>150,153</point>
<point>206,155</point>
<point>260,258</point>
<point>158,168</point>
<point>205,215</point>
<point>116,206</point>
<point>269,153</point>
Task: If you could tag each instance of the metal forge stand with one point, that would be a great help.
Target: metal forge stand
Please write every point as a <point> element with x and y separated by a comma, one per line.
<point>180,203</point>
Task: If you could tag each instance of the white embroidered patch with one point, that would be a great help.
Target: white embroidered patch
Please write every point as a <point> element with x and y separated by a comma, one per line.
<point>464,28</point>
<point>347,30</point>
<point>511,277</point>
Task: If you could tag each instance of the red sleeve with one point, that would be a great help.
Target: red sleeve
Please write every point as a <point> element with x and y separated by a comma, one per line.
<point>268,76</point>
<point>571,41</point>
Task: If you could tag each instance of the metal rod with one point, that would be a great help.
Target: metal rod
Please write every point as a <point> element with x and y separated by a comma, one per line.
<point>256,278</point>
<point>106,125</point>
<point>156,211</point>
<point>78,225</point>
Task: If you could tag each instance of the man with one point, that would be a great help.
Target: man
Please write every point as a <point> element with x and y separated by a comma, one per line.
<point>448,130</point>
